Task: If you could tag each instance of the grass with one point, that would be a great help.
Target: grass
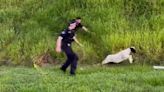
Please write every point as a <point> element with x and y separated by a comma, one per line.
<point>111,78</point>
<point>29,27</point>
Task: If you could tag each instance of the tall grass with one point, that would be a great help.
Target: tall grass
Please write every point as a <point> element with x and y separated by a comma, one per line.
<point>30,27</point>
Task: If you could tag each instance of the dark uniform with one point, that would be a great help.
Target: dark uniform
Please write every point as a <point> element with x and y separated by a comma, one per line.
<point>67,38</point>
<point>78,25</point>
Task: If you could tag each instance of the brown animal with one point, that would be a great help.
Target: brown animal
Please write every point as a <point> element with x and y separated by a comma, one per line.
<point>44,59</point>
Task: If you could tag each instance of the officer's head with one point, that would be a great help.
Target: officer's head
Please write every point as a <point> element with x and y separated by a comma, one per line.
<point>72,25</point>
<point>78,19</point>
<point>71,21</point>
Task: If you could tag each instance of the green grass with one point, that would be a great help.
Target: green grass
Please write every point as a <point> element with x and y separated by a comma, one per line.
<point>111,78</point>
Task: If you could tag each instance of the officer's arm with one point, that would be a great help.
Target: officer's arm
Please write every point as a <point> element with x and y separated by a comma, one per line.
<point>85,29</point>
<point>58,44</point>
<point>75,39</point>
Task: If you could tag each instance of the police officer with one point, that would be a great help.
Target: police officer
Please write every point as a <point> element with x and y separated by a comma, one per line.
<point>64,43</point>
<point>79,25</point>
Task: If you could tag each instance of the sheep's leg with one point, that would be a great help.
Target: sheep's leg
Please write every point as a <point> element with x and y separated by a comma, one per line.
<point>130,59</point>
<point>106,60</point>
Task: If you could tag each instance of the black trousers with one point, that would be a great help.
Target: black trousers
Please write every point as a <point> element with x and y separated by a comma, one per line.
<point>72,58</point>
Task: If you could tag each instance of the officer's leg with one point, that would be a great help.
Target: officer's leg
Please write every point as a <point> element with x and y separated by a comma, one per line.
<point>68,51</point>
<point>74,64</point>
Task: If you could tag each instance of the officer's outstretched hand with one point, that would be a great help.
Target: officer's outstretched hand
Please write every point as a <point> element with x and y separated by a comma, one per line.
<point>81,45</point>
<point>58,50</point>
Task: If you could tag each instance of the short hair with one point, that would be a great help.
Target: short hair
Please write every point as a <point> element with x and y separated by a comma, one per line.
<point>72,21</point>
<point>78,17</point>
